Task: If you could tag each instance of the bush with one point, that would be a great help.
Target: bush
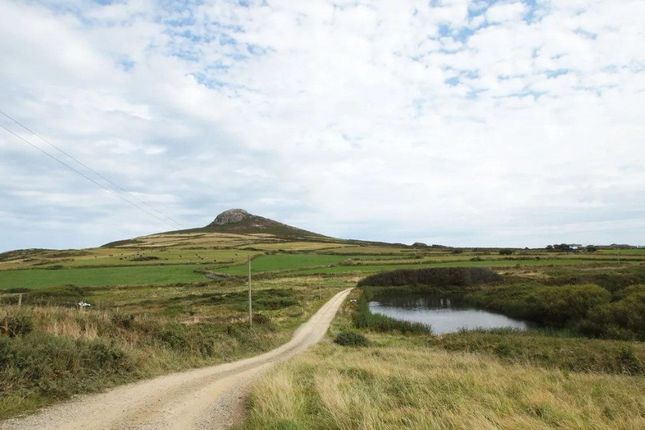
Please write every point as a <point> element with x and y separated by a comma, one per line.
<point>59,366</point>
<point>453,276</point>
<point>505,251</point>
<point>622,319</point>
<point>175,337</point>
<point>350,338</point>
<point>123,320</point>
<point>541,348</point>
<point>16,325</point>
<point>550,305</point>
<point>611,281</point>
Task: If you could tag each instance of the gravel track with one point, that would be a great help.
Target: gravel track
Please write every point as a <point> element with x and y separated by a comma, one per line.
<point>206,398</point>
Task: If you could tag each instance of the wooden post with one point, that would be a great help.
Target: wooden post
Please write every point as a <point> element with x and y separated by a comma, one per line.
<point>20,299</point>
<point>250,298</point>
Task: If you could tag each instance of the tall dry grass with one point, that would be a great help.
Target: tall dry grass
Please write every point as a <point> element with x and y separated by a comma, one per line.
<point>48,353</point>
<point>419,388</point>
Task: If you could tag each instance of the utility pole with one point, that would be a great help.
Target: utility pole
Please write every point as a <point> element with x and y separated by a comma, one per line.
<point>250,298</point>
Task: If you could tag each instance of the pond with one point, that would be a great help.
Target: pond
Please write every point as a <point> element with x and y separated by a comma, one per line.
<point>443,315</point>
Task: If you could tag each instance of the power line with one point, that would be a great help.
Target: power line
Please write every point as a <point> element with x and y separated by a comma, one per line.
<point>78,172</point>
<point>107,180</point>
<point>73,169</point>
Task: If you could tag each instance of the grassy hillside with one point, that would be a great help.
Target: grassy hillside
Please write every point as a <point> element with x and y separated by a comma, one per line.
<point>169,301</point>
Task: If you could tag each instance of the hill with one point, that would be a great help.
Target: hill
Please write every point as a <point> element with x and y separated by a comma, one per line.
<point>242,222</point>
<point>171,301</point>
<point>230,222</point>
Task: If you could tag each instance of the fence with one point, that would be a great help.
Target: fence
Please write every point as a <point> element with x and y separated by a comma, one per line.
<point>11,299</point>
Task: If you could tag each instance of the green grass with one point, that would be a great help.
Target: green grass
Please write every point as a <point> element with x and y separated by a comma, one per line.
<point>300,264</point>
<point>152,313</point>
<point>100,276</point>
<point>499,263</point>
<point>505,379</point>
<point>54,351</point>
<point>546,349</point>
<point>280,262</point>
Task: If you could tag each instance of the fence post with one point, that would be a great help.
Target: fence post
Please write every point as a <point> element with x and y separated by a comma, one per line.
<point>20,299</point>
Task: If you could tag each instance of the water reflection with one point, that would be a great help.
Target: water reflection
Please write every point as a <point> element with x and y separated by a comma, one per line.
<point>443,314</point>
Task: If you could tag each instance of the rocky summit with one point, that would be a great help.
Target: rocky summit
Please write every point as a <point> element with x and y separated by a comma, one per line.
<point>239,221</point>
<point>231,216</point>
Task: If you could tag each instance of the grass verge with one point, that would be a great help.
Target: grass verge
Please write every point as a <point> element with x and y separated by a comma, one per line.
<point>332,387</point>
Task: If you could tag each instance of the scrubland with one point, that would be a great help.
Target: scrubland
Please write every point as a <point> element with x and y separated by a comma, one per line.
<point>172,301</point>
<point>554,376</point>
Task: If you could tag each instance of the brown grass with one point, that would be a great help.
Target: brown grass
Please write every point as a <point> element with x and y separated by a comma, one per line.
<point>420,388</point>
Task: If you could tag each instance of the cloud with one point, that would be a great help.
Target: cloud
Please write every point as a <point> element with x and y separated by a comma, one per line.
<point>504,12</point>
<point>468,123</point>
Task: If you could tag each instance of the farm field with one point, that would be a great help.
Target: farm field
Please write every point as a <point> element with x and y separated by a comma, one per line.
<point>126,265</point>
<point>99,276</point>
<point>172,301</point>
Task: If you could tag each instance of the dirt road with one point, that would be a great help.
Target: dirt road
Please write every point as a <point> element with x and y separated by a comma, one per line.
<point>206,398</point>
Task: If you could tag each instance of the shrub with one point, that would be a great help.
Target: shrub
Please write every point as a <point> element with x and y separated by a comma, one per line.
<point>505,251</point>
<point>452,276</point>
<point>622,319</point>
<point>551,305</point>
<point>59,366</point>
<point>16,325</point>
<point>629,362</point>
<point>350,338</point>
<point>175,337</point>
<point>542,348</point>
<point>123,320</point>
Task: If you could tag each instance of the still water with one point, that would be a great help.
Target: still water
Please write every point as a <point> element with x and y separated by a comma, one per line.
<point>444,315</point>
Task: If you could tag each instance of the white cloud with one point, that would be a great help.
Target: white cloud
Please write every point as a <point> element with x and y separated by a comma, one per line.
<point>345,117</point>
<point>504,12</point>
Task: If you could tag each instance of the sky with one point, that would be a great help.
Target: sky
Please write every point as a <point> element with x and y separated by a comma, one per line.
<point>463,123</point>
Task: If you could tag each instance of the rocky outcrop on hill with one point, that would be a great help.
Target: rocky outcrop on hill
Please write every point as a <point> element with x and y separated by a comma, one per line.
<point>231,216</point>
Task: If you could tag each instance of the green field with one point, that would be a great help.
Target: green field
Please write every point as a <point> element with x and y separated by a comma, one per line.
<point>279,262</point>
<point>296,263</point>
<point>100,276</point>
<point>167,302</point>
<point>494,263</point>
<point>300,264</point>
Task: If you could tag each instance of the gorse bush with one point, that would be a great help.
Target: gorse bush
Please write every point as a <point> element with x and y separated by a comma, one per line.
<point>586,308</point>
<point>51,352</point>
<point>452,276</point>
<point>59,366</point>
<point>551,305</point>
<point>621,319</point>
<point>15,325</point>
<point>612,281</point>
<point>350,338</point>
<point>546,350</point>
